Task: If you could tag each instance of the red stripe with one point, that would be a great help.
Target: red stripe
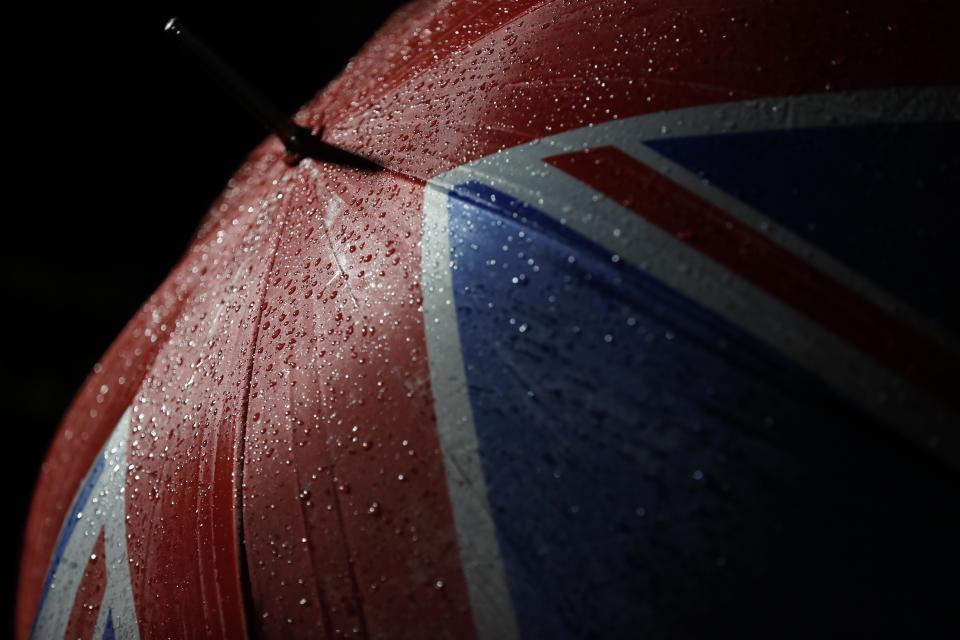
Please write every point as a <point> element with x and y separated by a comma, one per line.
<point>86,605</point>
<point>766,264</point>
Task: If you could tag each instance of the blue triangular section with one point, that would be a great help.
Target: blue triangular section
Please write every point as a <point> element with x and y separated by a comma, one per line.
<point>108,632</point>
<point>627,434</point>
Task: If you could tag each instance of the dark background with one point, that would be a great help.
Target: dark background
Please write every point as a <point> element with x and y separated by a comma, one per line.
<point>114,145</point>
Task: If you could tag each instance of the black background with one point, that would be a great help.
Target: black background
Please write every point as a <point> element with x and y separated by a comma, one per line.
<point>114,145</point>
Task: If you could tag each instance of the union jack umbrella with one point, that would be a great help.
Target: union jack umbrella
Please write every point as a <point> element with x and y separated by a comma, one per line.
<point>621,280</point>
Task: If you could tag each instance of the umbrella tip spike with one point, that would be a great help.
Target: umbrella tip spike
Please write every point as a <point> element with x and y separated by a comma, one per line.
<point>298,141</point>
<point>235,84</point>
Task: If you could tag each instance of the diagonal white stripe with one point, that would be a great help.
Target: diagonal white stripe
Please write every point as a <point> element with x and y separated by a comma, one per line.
<point>479,551</point>
<point>105,509</point>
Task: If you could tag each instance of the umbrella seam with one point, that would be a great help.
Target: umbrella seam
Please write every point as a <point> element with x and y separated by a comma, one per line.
<point>246,585</point>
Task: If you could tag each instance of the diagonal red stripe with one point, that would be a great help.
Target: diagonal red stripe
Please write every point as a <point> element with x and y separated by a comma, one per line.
<point>86,605</point>
<point>767,265</point>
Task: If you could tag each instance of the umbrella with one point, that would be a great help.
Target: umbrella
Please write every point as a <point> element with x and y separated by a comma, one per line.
<point>545,373</point>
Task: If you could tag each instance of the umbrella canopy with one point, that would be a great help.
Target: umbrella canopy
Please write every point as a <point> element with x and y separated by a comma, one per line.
<point>532,378</point>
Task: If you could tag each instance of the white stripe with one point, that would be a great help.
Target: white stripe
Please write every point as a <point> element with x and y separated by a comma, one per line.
<point>476,531</point>
<point>105,508</point>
